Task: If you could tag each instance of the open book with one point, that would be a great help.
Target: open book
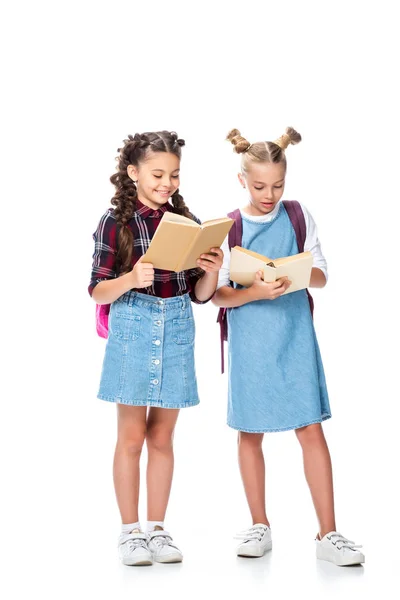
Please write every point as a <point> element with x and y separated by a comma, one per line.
<point>179,241</point>
<point>245,264</point>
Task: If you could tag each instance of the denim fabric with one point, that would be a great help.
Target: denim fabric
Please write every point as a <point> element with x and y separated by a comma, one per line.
<point>149,357</point>
<point>276,376</point>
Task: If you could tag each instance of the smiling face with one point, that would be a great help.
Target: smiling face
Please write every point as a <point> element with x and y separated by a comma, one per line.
<point>157,178</point>
<point>265,183</point>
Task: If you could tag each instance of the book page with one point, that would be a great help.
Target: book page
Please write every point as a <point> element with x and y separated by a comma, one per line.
<point>244,265</point>
<point>174,218</point>
<point>214,221</point>
<point>286,259</point>
<point>297,268</point>
<point>251,253</point>
<point>211,236</point>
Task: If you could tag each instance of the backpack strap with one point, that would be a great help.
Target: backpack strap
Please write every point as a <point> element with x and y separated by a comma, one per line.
<point>234,239</point>
<point>296,216</point>
<point>235,232</point>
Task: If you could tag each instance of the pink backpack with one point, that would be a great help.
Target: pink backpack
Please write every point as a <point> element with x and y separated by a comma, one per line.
<point>102,312</point>
<point>296,217</point>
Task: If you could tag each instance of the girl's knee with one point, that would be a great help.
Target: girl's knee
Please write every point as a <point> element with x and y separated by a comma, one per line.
<point>250,440</point>
<point>310,434</point>
<point>132,441</point>
<point>159,438</point>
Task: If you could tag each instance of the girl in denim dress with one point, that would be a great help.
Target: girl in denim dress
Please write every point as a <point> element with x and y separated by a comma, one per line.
<point>276,376</point>
<point>148,368</point>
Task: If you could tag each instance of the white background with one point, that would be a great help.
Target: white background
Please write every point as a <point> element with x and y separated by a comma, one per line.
<point>78,77</point>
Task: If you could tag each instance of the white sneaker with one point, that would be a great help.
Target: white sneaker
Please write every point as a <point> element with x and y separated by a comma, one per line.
<point>162,547</point>
<point>256,541</point>
<point>133,549</point>
<point>337,549</point>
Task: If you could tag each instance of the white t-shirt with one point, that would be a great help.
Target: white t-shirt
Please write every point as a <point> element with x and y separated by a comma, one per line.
<point>311,244</point>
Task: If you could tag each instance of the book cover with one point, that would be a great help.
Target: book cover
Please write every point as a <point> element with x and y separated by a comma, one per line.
<point>178,241</point>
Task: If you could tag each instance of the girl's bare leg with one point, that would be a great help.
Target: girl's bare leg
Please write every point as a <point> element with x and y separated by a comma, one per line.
<point>252,469</point>
<point>160,431</point>
<point>131,435</point>
<point>318,472</point>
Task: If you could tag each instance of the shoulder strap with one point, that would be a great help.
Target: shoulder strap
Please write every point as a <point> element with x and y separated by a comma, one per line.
<point>296,216</point>
<point>234,239</point>
<point>236,231</point>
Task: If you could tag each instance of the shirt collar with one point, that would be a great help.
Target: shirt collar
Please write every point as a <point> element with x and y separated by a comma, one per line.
<point>145,211</point>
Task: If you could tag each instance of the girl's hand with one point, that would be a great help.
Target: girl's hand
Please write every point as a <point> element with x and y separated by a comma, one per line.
<point>269,291</point>
<point>142,274</point>
<point>211,262</point>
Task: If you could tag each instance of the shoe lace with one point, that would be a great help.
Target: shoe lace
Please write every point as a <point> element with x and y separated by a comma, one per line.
<point>254,533</point>
<point>134,540</point>
<point>162,538</point>
<point>340,542</point>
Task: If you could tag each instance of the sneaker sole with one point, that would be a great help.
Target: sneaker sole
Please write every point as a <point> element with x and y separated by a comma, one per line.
<point>137,563</point>
<point>255,554</point>
<point>173,558</point>
<point>339,562</point>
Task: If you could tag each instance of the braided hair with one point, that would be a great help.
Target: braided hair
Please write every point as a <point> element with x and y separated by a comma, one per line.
<point>134,151</point>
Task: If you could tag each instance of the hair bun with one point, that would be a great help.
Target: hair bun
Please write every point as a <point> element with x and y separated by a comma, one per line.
<point>289,137</point>
<point>176,140</point>
<point>238,141</point>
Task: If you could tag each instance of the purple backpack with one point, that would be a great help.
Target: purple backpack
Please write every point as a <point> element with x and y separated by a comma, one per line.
<point>296,217</point>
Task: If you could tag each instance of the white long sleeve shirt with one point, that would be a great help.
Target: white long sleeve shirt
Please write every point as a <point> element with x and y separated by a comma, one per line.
<point>311,244</point>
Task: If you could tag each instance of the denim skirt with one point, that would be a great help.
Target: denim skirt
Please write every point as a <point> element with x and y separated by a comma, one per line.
<point>149,356</point>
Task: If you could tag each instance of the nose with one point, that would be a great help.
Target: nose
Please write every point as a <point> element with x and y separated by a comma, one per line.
<point>167,182</point>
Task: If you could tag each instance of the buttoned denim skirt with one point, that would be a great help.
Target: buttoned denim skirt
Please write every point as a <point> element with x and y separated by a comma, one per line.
<point>149,356</point>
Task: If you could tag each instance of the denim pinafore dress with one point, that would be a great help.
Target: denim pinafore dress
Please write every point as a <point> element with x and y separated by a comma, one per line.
<point>276,376</point>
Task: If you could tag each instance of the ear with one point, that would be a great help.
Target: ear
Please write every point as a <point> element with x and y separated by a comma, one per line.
<point>133,172</point>
<point>242,179</point>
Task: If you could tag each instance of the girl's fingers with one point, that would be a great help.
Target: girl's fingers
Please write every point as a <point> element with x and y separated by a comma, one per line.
<point>279,291</point>
<point>218,252</point>
<point>278,283</point>
<point>208,257</point>
<point>206,263</point>
<point>206,266</point>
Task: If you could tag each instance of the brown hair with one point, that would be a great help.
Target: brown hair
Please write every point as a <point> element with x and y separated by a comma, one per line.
<point>135,151</point>
<point>271,152</point>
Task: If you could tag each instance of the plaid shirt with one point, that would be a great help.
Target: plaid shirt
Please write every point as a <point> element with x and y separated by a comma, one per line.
<point>143,224</point>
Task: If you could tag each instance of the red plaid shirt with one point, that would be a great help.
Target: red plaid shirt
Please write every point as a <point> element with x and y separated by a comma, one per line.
<point>143,224</point>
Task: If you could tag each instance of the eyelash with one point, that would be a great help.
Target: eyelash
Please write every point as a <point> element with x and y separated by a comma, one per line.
<point>173,176</point>
<point>277,187</point>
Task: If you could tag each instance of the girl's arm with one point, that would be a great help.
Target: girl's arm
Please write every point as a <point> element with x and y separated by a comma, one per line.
<point>318,279</point>
<point>319,274</point>
<point>141,276</point>
<point>211,264</point>
<point>105,287</point>
<point>229,297</point>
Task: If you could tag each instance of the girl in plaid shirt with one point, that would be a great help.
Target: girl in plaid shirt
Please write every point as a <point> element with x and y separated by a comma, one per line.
<point>149,356</point>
